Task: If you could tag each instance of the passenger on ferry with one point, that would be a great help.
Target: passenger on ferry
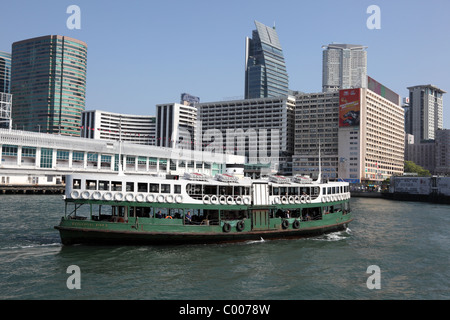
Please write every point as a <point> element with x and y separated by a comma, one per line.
<point>188,218</point>
<point>159,215</point>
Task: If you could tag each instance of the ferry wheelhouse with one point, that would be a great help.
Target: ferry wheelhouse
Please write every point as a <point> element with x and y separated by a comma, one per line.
<point>195,208</point>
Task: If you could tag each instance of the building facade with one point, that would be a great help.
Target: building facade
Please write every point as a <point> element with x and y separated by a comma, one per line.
<point>260,129</point>
<point>5,110</point>
<point>371,137</point>
<point>176,126</point>
<point>138,129</point>
<point>48,83</point>
<point>5,72</point>
<point>344,66</point>
<point>265,68</point>
<point>425,112</point>
<point>34,158</point>
<point>442,149</point>
<point>316,125</point>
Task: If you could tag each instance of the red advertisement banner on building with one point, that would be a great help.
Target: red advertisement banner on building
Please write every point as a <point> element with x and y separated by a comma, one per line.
<point>349,107</point>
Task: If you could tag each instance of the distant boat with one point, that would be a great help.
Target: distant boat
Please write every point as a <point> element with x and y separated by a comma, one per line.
<point>195,208</point>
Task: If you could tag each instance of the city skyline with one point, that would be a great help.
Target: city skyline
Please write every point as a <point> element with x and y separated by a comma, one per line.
<point>199,47</point>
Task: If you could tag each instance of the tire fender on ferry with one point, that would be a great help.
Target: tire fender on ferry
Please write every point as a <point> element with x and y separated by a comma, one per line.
<point>297,199</point>
<point>230,200</point>
<point>222,200</point>
<point>302,199</point>
<point>284,200</point>
<point>285,224</point>
<point>239,200</point>
<point>296,224</point>
<point>206,199</point>
<point>140,197</point>
<point>85,195</point>
<point>247,201</point>
<point>277,200</point>
<point>129,197</point>
<point>178,198</point>
<point>160,198</point>
<point>240,225</point>
<point>118,196</point>
<point>226,227</point>
<point>291,200</point>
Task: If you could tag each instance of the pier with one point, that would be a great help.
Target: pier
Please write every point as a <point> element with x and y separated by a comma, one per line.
<point>32,189</point>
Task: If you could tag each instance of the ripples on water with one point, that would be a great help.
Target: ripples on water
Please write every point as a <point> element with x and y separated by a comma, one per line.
<point>408,241</point>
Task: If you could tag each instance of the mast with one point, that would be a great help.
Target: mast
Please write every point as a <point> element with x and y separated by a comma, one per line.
<point>319,177</point>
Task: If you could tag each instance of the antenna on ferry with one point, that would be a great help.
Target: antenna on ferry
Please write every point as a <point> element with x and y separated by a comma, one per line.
<point>319,178</point>
<point>120,173</point>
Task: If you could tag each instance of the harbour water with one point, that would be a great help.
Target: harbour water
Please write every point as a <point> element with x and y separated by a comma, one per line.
<point>408,241</point>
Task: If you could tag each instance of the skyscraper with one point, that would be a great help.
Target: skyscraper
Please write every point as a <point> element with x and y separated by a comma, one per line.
<point>425,112</point>
<point>265,69</point>
<point>344,67</point>
<point>5,72</point>
<point>48,83</point>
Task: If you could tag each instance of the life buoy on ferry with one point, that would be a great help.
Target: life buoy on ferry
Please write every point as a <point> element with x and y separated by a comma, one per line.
<point>75,194</point>
<point>85,195</point>
<point>107,196</point>
<point>214,200</point>
<point>226,227</point>
<point>178,198</point>
<point>239,200</point>
<point>296,224</point>
<point>169,217</point>
<point>247,201</point>
<point>96,195</point>
<point>285,224</point>
<point>169,198</point>
<point>240,225</point>
<point>150,198</point>
<point>139,197</point>
<point>230,200</point>
<point>129,197</point>
<point>118,196</point>
<point>206,199</point>
<point>222,200</point>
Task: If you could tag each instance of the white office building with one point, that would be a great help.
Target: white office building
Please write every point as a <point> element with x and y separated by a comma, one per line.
<point>137,129</point>
<point>425,112</point>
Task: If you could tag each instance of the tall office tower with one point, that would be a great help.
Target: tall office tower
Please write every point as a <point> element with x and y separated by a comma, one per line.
<point>5,72</point>
<point>316,126</point>
<point>344,66</point>
<point>425,114</point>
<point>265,69</point>
<point>48,83</point>
<point>175,126</point>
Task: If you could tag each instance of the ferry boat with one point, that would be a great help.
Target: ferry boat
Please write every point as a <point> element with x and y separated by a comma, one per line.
<point>196,208</point>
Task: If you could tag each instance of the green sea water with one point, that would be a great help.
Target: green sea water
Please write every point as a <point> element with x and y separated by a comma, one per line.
<point>408,241</point>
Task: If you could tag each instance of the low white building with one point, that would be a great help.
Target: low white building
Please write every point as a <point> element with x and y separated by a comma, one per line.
<point>36,158</point>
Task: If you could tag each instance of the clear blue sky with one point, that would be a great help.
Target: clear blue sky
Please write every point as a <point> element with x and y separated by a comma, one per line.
<point>143,53</point>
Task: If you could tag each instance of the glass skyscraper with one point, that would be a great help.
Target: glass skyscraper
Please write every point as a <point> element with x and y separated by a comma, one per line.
<point>5,72</point>
<point>265,69</point>
<point>48,83</point>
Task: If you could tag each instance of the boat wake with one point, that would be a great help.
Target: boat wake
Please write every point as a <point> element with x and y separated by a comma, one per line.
<point>56,244</point>
<point>256,241</point>
<point>334,236</point>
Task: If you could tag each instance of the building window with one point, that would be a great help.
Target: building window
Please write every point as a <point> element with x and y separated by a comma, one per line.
<point>46,158</point>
